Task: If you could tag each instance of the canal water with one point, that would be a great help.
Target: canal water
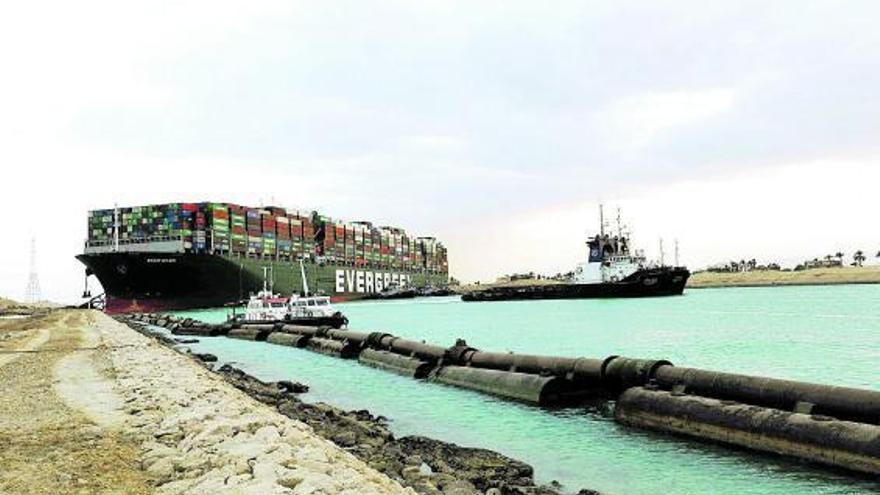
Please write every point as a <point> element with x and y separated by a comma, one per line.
<point>820,334</point>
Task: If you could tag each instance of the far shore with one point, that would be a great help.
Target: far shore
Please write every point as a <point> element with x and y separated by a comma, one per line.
<point>774,278</point>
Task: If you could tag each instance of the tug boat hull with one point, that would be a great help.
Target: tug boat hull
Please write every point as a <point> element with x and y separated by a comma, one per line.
<point>651,282</point>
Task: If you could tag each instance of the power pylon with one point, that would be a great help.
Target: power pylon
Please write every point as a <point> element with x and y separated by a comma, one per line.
<point>32,294</point>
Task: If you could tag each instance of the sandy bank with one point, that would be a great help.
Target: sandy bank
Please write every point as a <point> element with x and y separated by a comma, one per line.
<point>46,444</point>
<point>99,408</point>
<point>817,276</point>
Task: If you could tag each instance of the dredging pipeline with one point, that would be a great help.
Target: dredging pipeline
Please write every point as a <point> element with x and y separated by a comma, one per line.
<point>829,425</point>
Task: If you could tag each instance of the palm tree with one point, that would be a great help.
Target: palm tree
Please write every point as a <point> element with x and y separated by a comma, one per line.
<point>839,257</point>
<point>859,257</point>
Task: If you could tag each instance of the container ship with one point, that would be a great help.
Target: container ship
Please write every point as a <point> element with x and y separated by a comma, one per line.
<point>612,270</point>
<point>204,255</point>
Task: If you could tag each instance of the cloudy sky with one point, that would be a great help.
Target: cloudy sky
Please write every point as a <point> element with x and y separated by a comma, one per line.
<point>748,129</point>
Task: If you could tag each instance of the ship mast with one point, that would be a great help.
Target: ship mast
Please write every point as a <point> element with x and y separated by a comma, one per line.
<point>302,271</point>
<point>601,220</point>
<point>662,254</point>
<point>619,229</point>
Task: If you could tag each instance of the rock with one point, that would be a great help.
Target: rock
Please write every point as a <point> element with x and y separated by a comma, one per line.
<point>460,487</point>
<point>162,471</point>
<point>345,439</point>
<point>205,357</point>
<point>292,387</point>
<point>482,468</point>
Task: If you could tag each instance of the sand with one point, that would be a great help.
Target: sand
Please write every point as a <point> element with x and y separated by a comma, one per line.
<point>816,276</point>
<point>90,406</point>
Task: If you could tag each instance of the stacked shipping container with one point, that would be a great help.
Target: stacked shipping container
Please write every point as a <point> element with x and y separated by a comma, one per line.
<point>269,232</point>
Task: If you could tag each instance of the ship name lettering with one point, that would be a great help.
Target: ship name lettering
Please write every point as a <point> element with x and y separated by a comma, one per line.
<point>368,282</point>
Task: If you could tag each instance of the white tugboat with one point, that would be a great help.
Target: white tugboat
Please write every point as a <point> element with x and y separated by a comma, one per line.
<point>611,270</point>
<point>266,306</point>
<point>313,310</point>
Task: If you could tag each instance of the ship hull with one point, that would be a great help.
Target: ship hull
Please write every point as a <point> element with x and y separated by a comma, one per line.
<point>150,282</point>
<point>644,283</point>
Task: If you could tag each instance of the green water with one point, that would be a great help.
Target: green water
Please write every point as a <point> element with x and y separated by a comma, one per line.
<point>820,334</point>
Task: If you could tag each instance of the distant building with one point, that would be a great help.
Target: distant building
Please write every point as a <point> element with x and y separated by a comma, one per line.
<point>823,263</point>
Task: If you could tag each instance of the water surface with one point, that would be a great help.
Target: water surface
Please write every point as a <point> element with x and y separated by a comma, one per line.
<point>822,334</point>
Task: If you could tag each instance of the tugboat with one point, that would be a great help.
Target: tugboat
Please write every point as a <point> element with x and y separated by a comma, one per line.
<point>394,291</point>
<point>611,270</point>
<point>268,307</point>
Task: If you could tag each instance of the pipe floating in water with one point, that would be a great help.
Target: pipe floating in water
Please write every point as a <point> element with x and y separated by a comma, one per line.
<point>821,439</point>
<point>536,389</point>
<point>200,331</point>
<point>412,348</point>
<point>620,373</point>
<point>345,350</point>
<point>287,339</point>
<point>355,337</point>
<point>251,332</point>
<point>844,403</point>
<point>303,330</point>
<point>407,366</point>
<point>577,369</point>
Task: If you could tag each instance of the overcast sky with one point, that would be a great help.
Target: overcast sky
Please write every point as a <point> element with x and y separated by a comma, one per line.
<point>748,129</point>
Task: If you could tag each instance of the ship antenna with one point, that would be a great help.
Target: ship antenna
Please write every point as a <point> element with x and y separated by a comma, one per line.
<point>619,229</point>
<point>662,254</point>
<point>676,253</point>
<point>601,220</point>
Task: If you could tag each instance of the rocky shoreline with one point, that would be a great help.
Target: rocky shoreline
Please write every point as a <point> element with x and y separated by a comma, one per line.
<point>428,466</point>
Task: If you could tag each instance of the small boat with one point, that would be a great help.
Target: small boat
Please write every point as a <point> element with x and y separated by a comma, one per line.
<point>612,270</point>
<point>394,292</point>
<point>268,307</point>
<point>314,311</point>
<point>265,306</point>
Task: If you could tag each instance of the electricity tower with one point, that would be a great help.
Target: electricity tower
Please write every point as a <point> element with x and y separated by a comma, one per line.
<point>32,294</point>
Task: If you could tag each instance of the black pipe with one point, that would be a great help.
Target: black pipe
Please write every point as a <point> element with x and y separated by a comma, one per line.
<point>620,373</point>
<point>822,439</point>
<point>349,335</point>
<point>840,402</point>
<point>407,366</point>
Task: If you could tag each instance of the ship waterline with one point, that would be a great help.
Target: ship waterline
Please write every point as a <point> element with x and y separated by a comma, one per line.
<point>136,281</point>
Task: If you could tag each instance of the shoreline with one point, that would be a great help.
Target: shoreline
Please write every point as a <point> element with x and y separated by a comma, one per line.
<point>778,284</point>
<point>92,406</point>
<point>426,465</point>
<point>814,276</point>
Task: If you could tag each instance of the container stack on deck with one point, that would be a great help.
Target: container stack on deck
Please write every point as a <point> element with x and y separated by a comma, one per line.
<point>269,232</point>
<point>173,221</point>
